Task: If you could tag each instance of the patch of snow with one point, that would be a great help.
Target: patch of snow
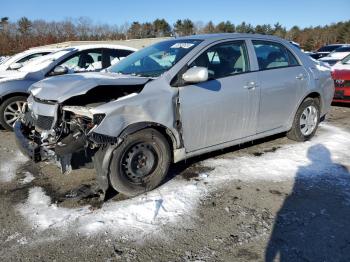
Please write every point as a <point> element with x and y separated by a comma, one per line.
<point>175,202</point>
<point>28,177</point>
<point>142,214</point>
<point>312,158</point>
<point>8,168</point>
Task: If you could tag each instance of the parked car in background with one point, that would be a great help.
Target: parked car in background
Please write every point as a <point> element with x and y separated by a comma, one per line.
<point>85,58</point>
<point>325,50</point>
<point>3,59</point>
<point>174,100</point>
<point>337,55</point>
<point>17,61</point>
<point>341,76</point>
<point>343,64</point>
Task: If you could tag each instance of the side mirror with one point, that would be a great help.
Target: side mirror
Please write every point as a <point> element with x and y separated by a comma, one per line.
<point>15,66</point>
<point>196,75</point>
<point>59,70</point>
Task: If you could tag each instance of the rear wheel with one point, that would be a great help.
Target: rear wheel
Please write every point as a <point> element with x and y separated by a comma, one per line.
<point>10,110</point>
<point>140,163</point>
<point>306,120</point>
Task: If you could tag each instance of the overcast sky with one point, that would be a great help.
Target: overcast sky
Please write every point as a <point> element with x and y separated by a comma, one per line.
<point>296,12</point>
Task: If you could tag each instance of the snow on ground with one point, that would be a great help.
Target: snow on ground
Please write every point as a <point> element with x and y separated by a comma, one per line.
<point>28,177</point>
<point>176,202</point>
<point>321,155</point>
<point>9,167</point>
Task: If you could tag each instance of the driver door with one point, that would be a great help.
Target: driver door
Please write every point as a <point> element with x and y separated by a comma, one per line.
<point>224,108</point>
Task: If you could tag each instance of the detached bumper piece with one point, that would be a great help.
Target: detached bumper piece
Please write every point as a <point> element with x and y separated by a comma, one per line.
<point>26,145</point>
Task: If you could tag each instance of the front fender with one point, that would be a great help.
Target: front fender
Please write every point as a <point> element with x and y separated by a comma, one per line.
<point>154,104</point>
<point>15,86</point>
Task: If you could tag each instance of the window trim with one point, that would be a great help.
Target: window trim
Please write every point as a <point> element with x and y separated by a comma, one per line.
<point>280,44</point>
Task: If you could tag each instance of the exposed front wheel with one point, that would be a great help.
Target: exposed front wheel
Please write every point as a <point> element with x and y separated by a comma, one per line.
<point>140,163</point>
<point>306,121</point>
<point>10,110</point>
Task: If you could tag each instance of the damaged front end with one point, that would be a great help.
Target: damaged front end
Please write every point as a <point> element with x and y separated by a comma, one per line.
<point>54,131</point>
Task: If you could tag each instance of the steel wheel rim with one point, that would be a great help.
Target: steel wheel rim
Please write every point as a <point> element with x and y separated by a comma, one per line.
<point>138,162</point>
<point>14,111</point>
<point>308,120</point>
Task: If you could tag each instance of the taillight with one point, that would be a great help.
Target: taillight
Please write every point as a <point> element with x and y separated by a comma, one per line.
<point>339,82</point>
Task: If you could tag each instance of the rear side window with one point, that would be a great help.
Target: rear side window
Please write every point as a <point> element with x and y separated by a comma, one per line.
<point>272,55</point>
<point>32,56</point>
<point>224,59</point>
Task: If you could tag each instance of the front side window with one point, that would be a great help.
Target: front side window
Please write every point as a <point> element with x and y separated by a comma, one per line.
<point>272,55</point>
<point>155,60</point>
<point>224,59</point>
<point>84,61</point>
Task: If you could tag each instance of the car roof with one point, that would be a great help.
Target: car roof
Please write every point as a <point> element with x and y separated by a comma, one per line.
<point>223,36</point>
<point>93,46</point>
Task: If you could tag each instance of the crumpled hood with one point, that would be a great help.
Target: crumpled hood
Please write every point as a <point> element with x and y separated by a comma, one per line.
<point>61,88</point>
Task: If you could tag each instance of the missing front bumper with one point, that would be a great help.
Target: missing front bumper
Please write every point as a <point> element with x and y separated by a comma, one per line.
<point>27,146</point>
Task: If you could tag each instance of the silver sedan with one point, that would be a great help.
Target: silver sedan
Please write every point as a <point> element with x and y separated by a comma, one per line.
<point>174,100</point>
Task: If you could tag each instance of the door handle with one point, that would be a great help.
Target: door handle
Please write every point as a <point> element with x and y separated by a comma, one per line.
<point>251,85</point>
<point>300,77</point>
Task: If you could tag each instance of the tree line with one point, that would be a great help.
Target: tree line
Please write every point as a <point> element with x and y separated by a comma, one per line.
<point>16,36</point>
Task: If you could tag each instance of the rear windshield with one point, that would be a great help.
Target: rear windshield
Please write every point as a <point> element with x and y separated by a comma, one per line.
<point>328,48</point>
<point>343,49</point>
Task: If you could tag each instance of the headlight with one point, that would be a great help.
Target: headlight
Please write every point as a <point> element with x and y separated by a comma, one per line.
<point>30,101</point>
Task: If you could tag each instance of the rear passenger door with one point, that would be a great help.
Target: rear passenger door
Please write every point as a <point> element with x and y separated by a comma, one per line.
<point>280,78</point>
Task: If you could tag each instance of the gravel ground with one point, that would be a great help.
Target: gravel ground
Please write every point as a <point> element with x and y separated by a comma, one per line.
<point>261,201</point>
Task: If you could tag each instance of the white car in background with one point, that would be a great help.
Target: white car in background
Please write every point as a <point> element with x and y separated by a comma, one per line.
<point>337,55</point>
<point>344,64</point>
<point>14,88</point>
<point>17,61</point>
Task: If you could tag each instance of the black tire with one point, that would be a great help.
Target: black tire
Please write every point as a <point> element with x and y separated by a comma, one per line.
<point>295,133</point>
<point>150,152</point>
<point>3,107</point>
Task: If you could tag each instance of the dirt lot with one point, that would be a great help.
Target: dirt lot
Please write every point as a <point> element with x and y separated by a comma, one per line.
<point>264,200</point>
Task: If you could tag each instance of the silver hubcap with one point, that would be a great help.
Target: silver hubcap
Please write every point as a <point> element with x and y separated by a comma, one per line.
<point>14,111</point>
<point>308,120</point>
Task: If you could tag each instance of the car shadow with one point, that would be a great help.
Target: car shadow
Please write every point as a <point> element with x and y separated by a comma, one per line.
<point>313,222</point>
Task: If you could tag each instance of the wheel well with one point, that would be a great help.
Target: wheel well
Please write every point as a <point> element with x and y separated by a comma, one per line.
<point>160,128</point>
<point>317,96</point>
<point>12,95</point>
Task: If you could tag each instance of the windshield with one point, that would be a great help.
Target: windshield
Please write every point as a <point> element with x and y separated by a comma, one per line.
<point>346,60</point>
<point>154,60</point>
<point>44,61</point>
